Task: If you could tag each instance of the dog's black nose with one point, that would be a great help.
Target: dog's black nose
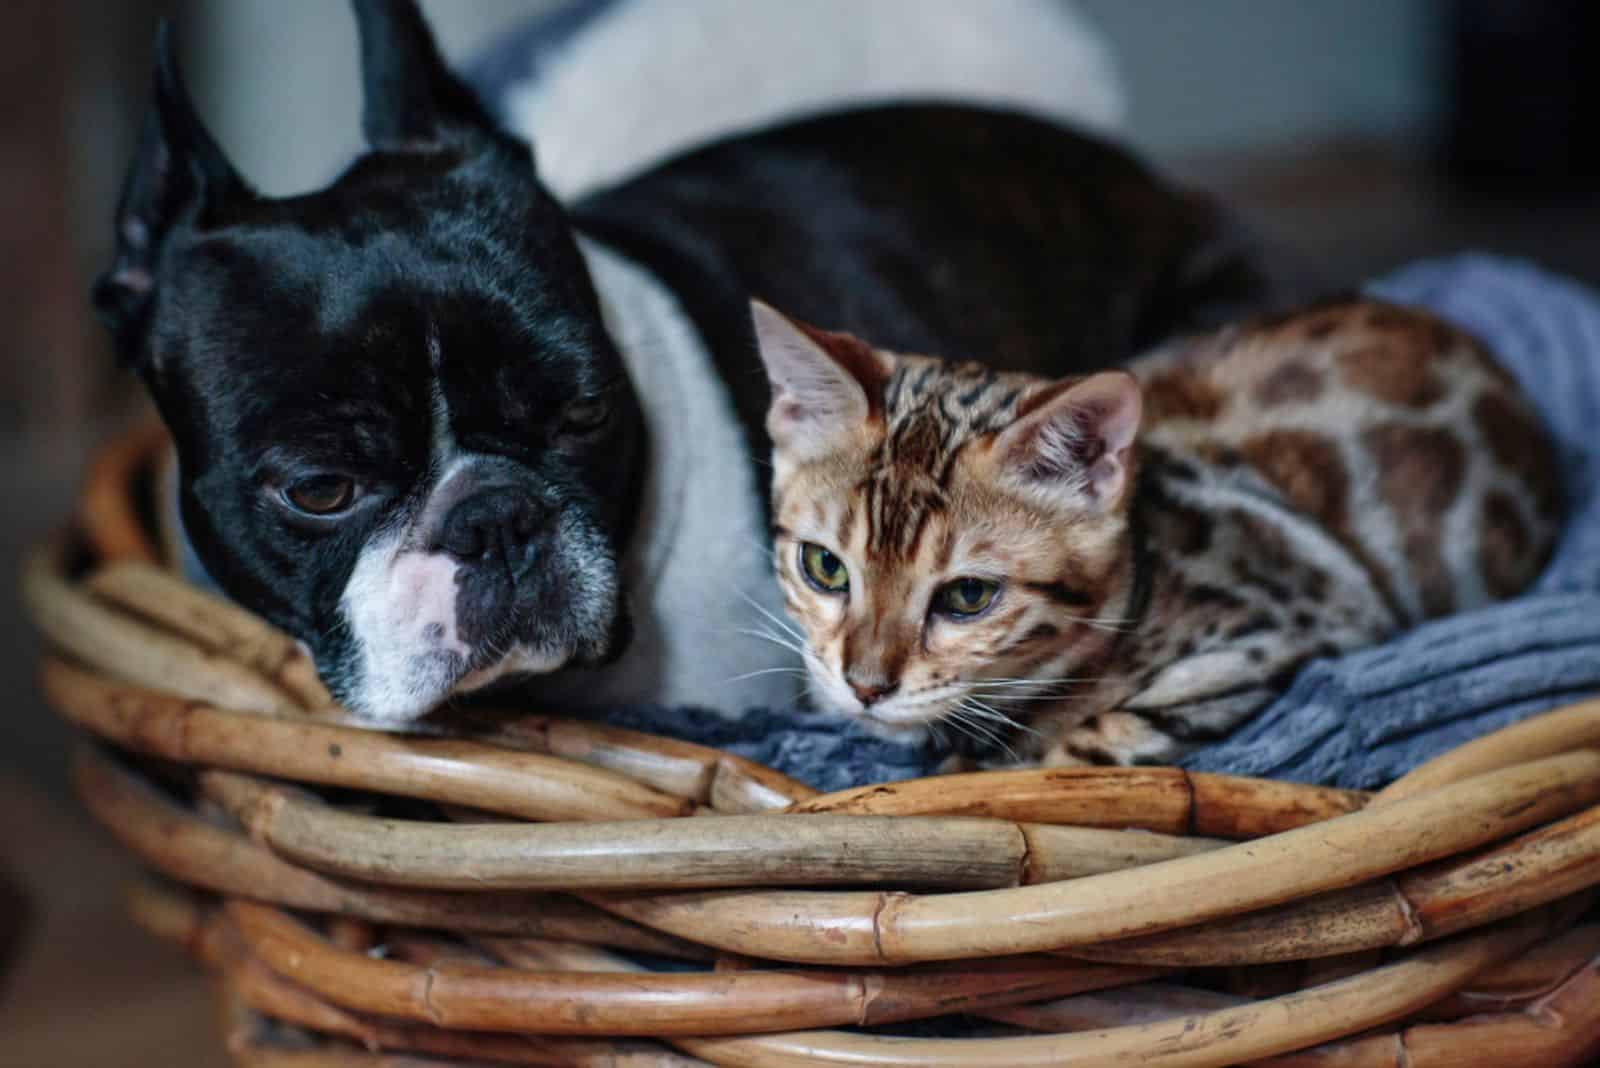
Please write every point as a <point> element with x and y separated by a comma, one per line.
<point>496,525</point>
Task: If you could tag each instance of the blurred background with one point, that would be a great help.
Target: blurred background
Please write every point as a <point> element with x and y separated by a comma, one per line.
<point>1357,134</point>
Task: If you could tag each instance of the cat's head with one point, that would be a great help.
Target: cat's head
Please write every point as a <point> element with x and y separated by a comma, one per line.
<point>944,531</point>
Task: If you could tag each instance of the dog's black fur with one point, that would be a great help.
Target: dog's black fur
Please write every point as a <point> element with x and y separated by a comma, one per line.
<point>964,232</point>
<point>283,339</point>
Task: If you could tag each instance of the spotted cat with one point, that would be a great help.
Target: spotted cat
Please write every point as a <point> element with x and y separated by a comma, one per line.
<point>1117,568</point>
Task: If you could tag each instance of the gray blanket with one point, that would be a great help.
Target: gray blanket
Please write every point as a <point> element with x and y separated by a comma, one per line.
<point>1363,719</point>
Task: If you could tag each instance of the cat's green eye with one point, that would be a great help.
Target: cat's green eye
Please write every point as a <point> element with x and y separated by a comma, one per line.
<point>823,569</point>
<point>965,597</point>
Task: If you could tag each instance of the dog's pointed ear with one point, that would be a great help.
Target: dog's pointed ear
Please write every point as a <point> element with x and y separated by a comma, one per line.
<point>824,385</point>
<point>1072,441</point>
<point>179,173</point>
<point>412,99</point>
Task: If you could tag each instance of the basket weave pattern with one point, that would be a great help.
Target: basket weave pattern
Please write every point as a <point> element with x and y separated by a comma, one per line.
<point>496,914</point>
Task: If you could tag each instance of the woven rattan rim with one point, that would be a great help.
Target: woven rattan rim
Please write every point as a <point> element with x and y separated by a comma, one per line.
<point>1438,922</point>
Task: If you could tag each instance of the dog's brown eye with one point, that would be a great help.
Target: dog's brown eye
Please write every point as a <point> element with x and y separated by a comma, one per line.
<point>321,494</point>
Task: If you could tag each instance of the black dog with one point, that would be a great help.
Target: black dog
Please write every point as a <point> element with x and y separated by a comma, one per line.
<point>445,430</point>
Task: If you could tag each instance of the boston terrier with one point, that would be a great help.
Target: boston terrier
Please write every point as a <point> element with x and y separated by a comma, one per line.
<point>448,431</point>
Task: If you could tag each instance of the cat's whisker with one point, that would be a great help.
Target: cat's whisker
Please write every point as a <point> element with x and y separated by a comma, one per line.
<point>778,637</point>
<point>979,731</point>
<point>764,671</point>
<point>1022,696</point>
<point>1026,684</point>
<point>778,626</point>
<point>995,726</point>
<point>1029,680</point>
<point>989,712</point>
<point>977,708</point>
<point>1111,624</point>
<point>1018,693</point>
<point>1026,699</point>
<point>1030,690</point>
<point>1032,680</point>
<point>771,616</point>
<point>982,737</point>
<point>764,547</point>
<point>781,641</point>
<point>961,720</point>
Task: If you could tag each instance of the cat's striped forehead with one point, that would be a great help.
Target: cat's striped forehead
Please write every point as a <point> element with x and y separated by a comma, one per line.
<point>931,411</point>
<point>961,400</point>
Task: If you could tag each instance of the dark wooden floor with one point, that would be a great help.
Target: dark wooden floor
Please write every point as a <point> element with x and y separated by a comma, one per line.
<point>89,990</point>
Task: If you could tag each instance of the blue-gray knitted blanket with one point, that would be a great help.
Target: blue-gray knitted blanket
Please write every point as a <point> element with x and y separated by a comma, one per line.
<point>1363,719</point>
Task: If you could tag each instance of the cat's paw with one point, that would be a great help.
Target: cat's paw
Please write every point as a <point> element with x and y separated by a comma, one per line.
<point>1111,738</point>
<point>956,764</point>
<point>1060,757</point>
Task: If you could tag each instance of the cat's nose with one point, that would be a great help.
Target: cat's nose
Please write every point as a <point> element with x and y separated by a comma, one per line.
<point>869,693</point>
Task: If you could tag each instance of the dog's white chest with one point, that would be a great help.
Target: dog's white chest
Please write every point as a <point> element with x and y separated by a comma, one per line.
<point>699,575</point>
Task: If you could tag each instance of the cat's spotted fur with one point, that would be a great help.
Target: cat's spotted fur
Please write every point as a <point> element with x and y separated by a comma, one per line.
<point>1168,548</point>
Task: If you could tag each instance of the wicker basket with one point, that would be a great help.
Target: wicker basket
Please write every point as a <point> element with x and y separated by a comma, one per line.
<point>486,899</point>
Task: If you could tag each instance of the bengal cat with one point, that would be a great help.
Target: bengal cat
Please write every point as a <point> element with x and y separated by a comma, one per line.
<point>1117,568</point>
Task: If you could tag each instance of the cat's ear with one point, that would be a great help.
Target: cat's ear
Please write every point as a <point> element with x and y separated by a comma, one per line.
<point>824,385</point>
<point>1072,441</point>
<point>411,97</point>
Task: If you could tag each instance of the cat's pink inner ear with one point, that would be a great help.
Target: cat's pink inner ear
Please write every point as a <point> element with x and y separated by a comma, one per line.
<point>823,384</point>
<point>1075,441</point>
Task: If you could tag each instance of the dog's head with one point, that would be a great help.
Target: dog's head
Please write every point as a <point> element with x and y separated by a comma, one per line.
<point>403,433</point>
